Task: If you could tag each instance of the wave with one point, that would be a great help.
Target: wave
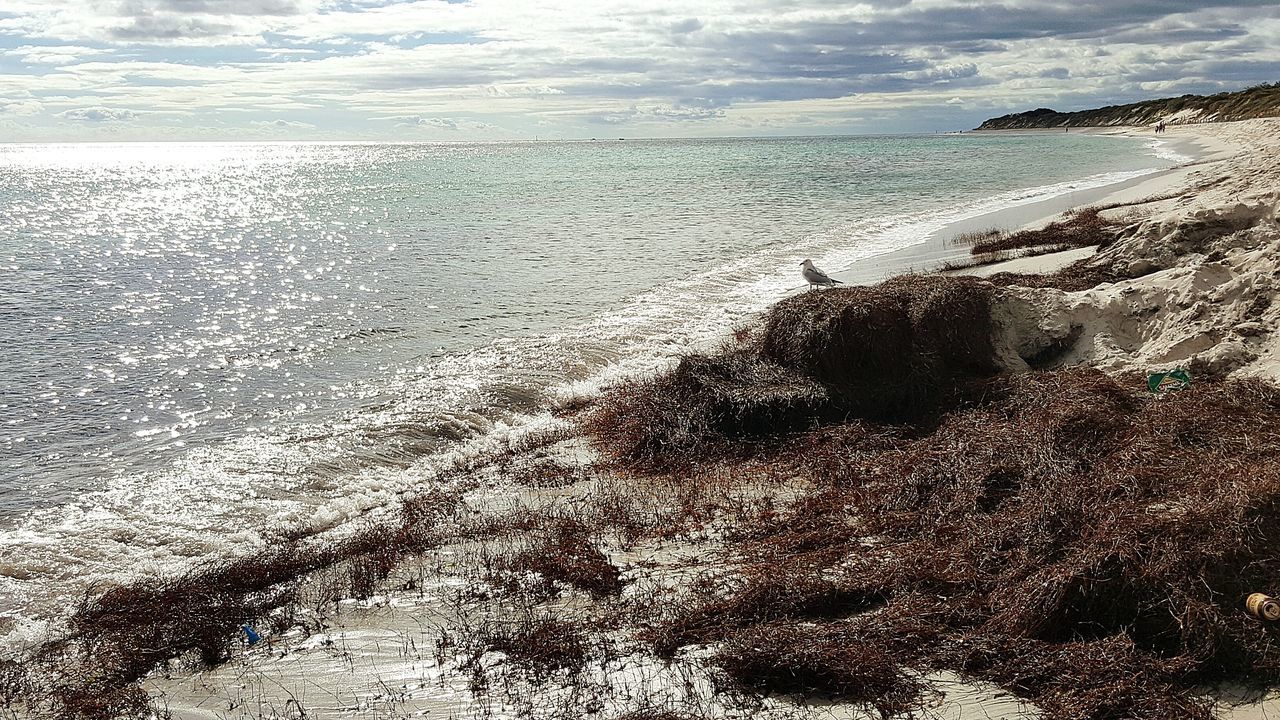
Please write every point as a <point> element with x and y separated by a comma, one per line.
<point>1163,149</point>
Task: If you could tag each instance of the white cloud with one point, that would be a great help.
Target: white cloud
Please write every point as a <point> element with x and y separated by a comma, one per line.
<point>521,90</point>
<point>21,107</point>
<point>440,123</point>
<point>53,54</point>
<point>656,113</point>
<point>98,114</point>
<point>281,124</point>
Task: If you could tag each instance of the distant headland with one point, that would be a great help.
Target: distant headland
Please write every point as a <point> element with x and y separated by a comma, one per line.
<point>1255,102</point>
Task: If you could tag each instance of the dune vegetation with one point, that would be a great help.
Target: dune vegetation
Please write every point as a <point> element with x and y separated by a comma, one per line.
<point>1259,101</point>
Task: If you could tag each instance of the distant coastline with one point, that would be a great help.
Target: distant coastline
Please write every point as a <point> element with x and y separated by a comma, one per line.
<point>1255,102</point>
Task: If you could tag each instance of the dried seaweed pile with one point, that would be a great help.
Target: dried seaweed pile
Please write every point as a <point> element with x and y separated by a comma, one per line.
<point>1064,534</point>
<point>561,555</point>
<point>1083,227</point>
<point>891,351</point>
<point>1086,546</point>
<point>1080,275</point>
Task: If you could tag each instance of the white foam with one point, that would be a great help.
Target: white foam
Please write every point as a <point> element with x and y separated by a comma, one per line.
<point>1163,149</point>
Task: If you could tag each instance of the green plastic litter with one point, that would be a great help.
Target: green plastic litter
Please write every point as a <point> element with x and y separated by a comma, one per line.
<point>1181,378</point>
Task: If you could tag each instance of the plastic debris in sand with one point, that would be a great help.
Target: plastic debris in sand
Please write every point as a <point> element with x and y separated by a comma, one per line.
<point>1178,379</point>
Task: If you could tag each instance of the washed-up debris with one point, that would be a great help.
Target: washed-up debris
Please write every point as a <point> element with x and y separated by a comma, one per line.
<point>1178,379</point>
<point>1263,607</point>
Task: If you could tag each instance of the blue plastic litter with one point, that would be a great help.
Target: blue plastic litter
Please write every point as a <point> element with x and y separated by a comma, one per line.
<point>253,636</point>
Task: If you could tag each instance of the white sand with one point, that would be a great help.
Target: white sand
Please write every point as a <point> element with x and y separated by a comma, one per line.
<point>1207,262</point>
<point>1031,265</point>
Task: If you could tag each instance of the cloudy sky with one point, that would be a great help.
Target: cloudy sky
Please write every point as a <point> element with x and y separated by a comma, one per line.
<point>512,69</point>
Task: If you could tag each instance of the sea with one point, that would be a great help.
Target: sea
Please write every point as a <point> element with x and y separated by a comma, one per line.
<point>207,346</point>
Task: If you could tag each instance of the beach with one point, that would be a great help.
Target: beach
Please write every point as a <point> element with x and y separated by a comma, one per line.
<point>1191,146</point>
<point>291,346</point>
<point>1202,300</point>
<point>549,578</point>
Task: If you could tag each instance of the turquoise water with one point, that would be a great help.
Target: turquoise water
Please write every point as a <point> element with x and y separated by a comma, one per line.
<point>204,344</point>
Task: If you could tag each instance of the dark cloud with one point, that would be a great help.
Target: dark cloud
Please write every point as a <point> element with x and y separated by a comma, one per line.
<point>1165,35</point>
<point>210,7</point>
<point>428,78</point>
<point>972,47</point>
<point>1238,71</point>
<point>177,20</point>
<point>1040,19</point>
<point>722,92</point>
<point>928,47</point>
<point>151,28</point>
<point>686,26</point>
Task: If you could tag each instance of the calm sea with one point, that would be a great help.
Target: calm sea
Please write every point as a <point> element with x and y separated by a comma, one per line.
<point>202,344</point>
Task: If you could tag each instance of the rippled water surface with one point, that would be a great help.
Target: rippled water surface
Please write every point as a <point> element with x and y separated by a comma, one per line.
<point>201,341</point>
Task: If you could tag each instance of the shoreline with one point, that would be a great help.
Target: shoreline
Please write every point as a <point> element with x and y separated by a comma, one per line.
<point>937,250</point>
<point>330,518</point>
<point>495,578</point>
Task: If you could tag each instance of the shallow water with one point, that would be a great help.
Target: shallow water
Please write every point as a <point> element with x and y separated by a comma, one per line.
<point>203,344</point>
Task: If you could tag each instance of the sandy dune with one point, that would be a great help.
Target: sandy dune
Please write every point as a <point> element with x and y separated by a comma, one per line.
<point>1204,262</point>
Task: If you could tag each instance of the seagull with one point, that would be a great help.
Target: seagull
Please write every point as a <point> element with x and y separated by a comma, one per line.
<point>815,277</point>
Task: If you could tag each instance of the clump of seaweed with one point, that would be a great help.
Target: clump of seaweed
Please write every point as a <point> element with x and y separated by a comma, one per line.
<point>769,594</point>
<point>565,553</point>
<point>1082,227</point>
<point>538,647</point>
<point>888,350</point>
<point>657,714</point>
<point>973,237</point>
<point>541,643</point>
<point>820,661</point>
<point>1080,275</point>
<point>701,406</point>
<point>894,350</point>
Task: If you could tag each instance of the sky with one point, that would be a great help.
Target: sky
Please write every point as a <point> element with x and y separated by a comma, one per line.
<point>432,70</point>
